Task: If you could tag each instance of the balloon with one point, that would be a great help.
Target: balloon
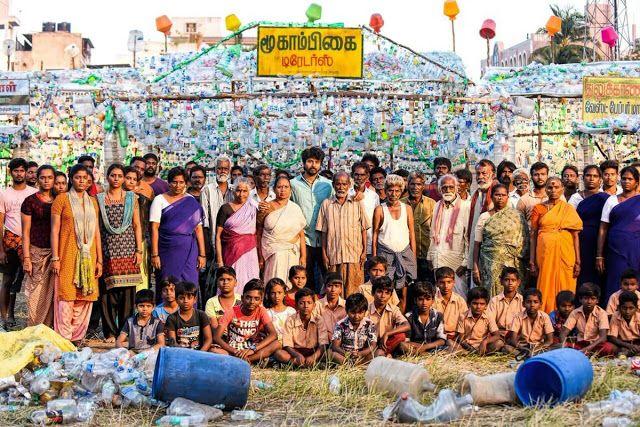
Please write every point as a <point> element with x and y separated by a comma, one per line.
<point>376,22</point>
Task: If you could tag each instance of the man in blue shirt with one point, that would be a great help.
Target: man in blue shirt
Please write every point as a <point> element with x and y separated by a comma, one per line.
<point>309,190</point>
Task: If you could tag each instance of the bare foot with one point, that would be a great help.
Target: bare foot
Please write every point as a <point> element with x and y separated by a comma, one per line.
<point>110,340</point>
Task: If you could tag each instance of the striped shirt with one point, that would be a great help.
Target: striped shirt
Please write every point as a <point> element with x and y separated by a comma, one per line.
<point>343,225</point>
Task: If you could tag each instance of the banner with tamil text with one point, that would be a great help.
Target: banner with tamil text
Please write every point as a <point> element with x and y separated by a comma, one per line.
<point>610,97</point>
<point>319,51</point>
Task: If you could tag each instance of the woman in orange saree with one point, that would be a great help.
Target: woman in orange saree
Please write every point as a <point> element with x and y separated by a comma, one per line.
<point>555,247</point>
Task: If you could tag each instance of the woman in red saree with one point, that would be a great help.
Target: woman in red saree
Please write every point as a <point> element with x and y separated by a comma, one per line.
<point>555,245</point>
<point>236,240</point>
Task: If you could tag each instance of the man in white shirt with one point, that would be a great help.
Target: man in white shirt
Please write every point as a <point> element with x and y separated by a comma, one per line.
<point>369,198</point>
<point>263,191</point>
<point>449,245</point>
<point>481,199</point>
<point>521,184</point>
<point>213,196</point>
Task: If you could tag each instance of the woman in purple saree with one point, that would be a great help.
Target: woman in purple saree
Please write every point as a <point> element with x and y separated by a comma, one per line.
<point>177,240</point>
<point>236,241</point>
<point>620,228</point>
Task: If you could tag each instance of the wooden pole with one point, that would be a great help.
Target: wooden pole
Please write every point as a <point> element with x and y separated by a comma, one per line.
<point>453,36</point>
<point>488,54</point>
<point>539,127</point>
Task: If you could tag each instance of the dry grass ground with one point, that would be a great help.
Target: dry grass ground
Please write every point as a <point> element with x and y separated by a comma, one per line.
<point>303,398</point>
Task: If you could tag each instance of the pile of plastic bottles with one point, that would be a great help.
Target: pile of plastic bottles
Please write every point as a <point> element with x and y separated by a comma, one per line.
<point>616,408</point>
<point>72,385</point>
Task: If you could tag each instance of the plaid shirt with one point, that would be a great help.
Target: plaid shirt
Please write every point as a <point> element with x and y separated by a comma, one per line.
<point>355,339</point>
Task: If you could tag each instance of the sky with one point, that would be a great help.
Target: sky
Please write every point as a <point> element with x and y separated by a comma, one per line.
<point>417,24</point>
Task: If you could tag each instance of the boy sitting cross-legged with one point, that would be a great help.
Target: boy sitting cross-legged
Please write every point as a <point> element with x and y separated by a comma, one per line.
<point>427,325</point>
<point>477,331</point>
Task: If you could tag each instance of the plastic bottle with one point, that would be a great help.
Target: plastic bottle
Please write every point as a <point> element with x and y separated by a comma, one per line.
<point>8,408</point>
<point>64,416</point>
<point>334,384</point>
<point>616,422</point>
<point>108,390</point>
<point>237,415</point>
<point>397,377</point>
<point>131,396</point>
<point>39,385</point>
<point>618,406</point>
<point>60,404</point>
<point>125,376</point>
<point>182,406</point>
<point>182,420</point>
<point>447,407</point>
<point>262,385</point>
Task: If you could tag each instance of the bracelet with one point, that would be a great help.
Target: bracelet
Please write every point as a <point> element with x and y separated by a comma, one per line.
<point>139,251</point>
<point>599,257</point>
<point>202,256</point>
<point>155,256</point>
<point>55,258</point>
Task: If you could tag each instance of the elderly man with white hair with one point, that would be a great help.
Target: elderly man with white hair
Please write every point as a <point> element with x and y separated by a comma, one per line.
<point>449,238</point>
<point>212,197</point>
<point>521,183</point>
<point>394,237</point>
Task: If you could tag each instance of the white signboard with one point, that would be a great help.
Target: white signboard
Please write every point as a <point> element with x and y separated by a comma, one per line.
<point>14,96</point>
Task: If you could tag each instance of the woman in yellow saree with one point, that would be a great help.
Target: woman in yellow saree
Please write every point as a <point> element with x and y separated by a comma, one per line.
<point>555,248</point>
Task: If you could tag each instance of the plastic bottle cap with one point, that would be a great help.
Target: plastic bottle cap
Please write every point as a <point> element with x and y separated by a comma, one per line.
<point>404,396</point>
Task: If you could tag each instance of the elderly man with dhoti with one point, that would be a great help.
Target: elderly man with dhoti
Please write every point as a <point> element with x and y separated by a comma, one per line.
<point>449,238</point>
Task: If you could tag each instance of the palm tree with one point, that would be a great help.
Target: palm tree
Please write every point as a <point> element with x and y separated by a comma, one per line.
<point>568,44</point>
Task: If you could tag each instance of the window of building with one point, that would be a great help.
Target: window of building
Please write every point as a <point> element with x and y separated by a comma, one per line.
<point>191,27</point>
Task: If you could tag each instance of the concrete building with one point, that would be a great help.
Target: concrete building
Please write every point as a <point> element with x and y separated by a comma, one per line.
<point>49,49</point>
<point>8,23</point>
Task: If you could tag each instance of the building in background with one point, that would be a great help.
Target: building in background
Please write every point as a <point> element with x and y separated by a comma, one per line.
<point>51,49</point>
<point>8,24</point>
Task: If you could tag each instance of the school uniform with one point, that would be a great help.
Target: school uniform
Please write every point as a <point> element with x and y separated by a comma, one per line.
<point>473,331</point>
<point>303,339</point>
<point>504,311</point>
<point>589,329</point>
<point>629,332</point>
<point>614,301</point>
<point>451,311</point>
<point>385,320</point>
<point>531,331</point>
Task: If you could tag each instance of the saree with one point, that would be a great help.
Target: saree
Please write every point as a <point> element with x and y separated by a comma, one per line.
<point>177,244</point>
<point>555,253</point>
<point>239,249</point>
<point>280,244</point>
<point>623,242</point>
<point>505,240</point>
<point>590,212</point>
<point>38,287</point>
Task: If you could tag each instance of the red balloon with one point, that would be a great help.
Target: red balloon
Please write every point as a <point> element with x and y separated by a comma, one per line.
<point>376,22</point>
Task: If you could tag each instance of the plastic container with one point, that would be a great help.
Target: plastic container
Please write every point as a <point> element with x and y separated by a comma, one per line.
<point>182,406</point>
<point>446,408</point>
<point>490,389</point>
<point>208,378</point>
<point>554,377</point>
<point>397,377</point>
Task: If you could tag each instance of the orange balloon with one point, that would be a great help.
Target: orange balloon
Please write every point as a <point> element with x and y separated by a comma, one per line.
<point>554,25</point>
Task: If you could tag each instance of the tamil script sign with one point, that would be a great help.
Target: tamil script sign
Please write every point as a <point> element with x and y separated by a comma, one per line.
<point>610,97</point>
<point>325,52</point>
<point>14,96</point>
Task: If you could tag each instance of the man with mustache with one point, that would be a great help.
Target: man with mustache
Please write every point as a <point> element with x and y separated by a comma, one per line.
<point>212,197</point>
<point>360,192</point>
<point>152,164</point>
<point>449,238</point>
<point>422,212</point>
<point>539,175</point>
<point>441,167</point>
<point>11,199</point>
<point>481,200</point>
<point>570,180</point>
<point>505,175</point>
<point>309,190</point>
<point>521,183</point>
<point>343,223</point>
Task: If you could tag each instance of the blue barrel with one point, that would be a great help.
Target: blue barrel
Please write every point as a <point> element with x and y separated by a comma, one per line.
<point>203,377</point>
<point>554,377</point>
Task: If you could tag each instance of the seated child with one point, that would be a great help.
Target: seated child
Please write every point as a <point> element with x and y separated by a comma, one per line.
<point>477,331</point>
<point>377,268</point>
<point>624,331</point>
<point>628,282</point>
<point>250,335</point>
<point>226,299</point>
<point>274,303</point>
<point>592,323</point>
<point>188,327</point>
<point>565,304</point>
<point>331,308</point>
<point>297,281</point>
<point>531,330</point>
<point>303,341</point>
<point>506,305</point>
<point>391,325</point>
<point>169,305</point>
<point>448,302</point>
<point>354,337</point>
<point>142,331</point>
<point>427,324</point>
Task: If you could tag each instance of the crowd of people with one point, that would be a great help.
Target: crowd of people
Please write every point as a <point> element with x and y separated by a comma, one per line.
<point>342,265</point>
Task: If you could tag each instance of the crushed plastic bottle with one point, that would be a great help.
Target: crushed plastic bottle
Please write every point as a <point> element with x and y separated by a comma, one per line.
<point>64,416</point>
<point>618,403</point>
<point>250,415</point>
<point>182,420</point>
<point>39,385</point>
<point>616,422</point>
<point>334,384</point>
<point>60,404</point>
<point>9,408</point>
<point>447,407</point>
<point>182,406</point>
<point>261,385</point>
<point>131,396</point>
